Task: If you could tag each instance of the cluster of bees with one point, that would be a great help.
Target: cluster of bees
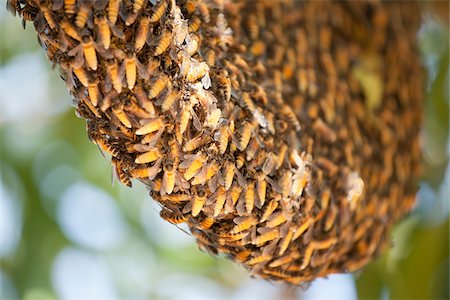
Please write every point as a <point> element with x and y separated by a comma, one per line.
<point>284,133</point>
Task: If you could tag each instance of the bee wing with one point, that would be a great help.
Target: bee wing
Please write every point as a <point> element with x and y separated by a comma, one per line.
<point>99,5</point>
<point>154,170</point>
<point>240,178</point>
<point>142,70</point>
<point>116,30</point>
<point>103,52</point>
<point>196,120</point>
<point>213,183</point>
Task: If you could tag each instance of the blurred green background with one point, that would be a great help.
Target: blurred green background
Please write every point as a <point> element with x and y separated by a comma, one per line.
<point>67,233</point>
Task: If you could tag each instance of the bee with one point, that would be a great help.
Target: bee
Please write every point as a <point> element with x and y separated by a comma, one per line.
<point>28,13</point>
<point>224,135</point>
<point>82,14</point>
<point>44,7</point>
<point>190,6</point>
<point>87,49</point>
<point>275,220</point>
<point>270,163</point>
<point>198,202</point>
<point>242,256</point>
<point>148,157</point>
<point>168,182</point>
<point>224,86</point>
<point>252,27</point>
<point>266,235</point>
<point>137,5</point>
<point>148,173</point>
<point>228,175</point>
<point>169,100</point>
<point>142,33</point>
<point>321,128</point>
<point>285,184</point>
<point>82,75</point>
<point>240,160</point>
<point>258,258</point>
<point>284,243</point>
<point>184,116</point>
<point>151,126</point>
<point>131,63</point>
<point>246,133</point>
<point>69,29</point>
<point>69,6</point>
<point>300,179</point>
<point>221,196</point>
<point>303,227</point>
<point>143,100</point>
<point>120,173</point>
<point>162,43</point>
<point>196,142</point>
<point>158,11</point>
<point>210,58</point>
<point>158,86</point>
<point>103,143</point>
<point>114,74</point>
<point>207,222</point>
<point>172,217</point>
<point>250,197</point>
<point>193,165</point>
<point>261,188</point>
<point>94,92</point>
<point>113,10</point>
<point>252,149</point>
<point>243,223</point>
<point>103,31</point>
<point>121,115</point>
<point>194,24</point>
<point>204,11</point>
<point>247,102</point>
<point>271,207</point>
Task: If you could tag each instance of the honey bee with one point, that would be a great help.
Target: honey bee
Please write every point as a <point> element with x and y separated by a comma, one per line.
<point>103,143</point>
<point>221,196</point>
<point>204,12</point>
<point>148,157</point>
<point>103,33</point>
<point>143,100</point>
<point>121,115</point>
<point>240,160</point>
<point>28,13</point>
<point>224,135</point>
<point>243,223</point>
<point>250,197</point>
<point>270,163</point>
<point>131,63</point>
<point>162,43</point>
<point>87,49</point>
<point>284,244</point>
<point>82,14</point>
<point>192,164</point>
<point>184,116</point>
<point>303,227</point>
<point>158,86</point>
<point>158,11</point>
<point>275,220</point>
<point>198,202</point>
<point>44,7</point>
<point>207,222</point>
<point>169,100</point>
<point>194,24</point>
<point>94,92</point>
<point>168,182</point>
<point>137,5</point>
<point>142,33</point>
<point>82,75</point>
<point>224,87</point>
<point>149,173</point>
<point>228,175</point>
<point>271,207</point>
<point>69,6</point>
<point>190,6</point>
<point>151,126</point>
<point>242,256</point>
<point>246,133</point>
<point>69,29</point>
<point>261,188</point>
<point>266,235</point>
<point>324,130</point>
<point>120,173</point>
<point>210,58</point>
<point>258,258</point>
<point>114,74</point>
<point>247,102</point>
<point>196,142</point>
<point>172,217</point>
<point>113,10</point>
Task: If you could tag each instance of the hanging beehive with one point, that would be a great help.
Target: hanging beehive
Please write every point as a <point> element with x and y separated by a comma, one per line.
<point>284,133</point>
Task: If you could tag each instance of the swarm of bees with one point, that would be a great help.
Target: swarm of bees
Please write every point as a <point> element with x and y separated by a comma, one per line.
<point>284,133</point>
